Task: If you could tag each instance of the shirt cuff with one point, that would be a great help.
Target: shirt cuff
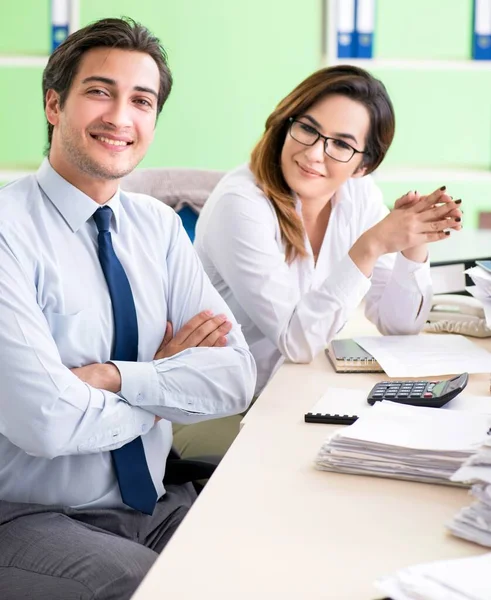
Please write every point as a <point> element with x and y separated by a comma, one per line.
<point>349,283</point>
<point>139,382</point>
<point>412,275</point>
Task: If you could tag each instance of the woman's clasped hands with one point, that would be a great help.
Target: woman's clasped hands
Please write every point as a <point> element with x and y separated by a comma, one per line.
<point>417,220</point>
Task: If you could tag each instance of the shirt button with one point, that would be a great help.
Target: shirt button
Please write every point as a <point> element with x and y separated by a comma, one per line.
<point>139,397</point>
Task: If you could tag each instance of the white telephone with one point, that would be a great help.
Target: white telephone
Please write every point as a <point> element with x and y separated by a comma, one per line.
<point>453,313</point>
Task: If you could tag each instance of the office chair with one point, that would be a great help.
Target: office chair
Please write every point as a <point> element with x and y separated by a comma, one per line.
<point>184,190</point>
<point>179,471</point>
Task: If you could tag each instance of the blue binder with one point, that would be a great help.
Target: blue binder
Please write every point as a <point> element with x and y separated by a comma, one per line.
<point>481,35</point>
<point>60,22</point>
<point>365,24</point>
<point>345,10</point>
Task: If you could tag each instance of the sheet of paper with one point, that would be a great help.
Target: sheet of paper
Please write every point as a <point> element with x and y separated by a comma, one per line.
<point>426,355</point>
<point>481,295</point>
<point>342,401</point>
<point>481,278</point>
<point>480,404</point>
<point>348,401</point>
<point>447,579</point>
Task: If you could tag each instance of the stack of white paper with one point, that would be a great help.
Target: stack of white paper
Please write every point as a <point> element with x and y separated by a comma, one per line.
<point>405,442</point>
<point>482,289</point>
<point>482,279</point>
<point>474,522</point>
<point>461,579</point>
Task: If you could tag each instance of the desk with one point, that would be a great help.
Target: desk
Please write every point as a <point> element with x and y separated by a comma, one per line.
<point>268,525</point>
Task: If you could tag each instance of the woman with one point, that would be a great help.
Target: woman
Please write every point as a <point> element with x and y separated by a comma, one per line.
<point>296,239</point>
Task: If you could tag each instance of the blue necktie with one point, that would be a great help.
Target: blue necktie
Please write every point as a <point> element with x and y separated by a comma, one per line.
<point>135,482</point>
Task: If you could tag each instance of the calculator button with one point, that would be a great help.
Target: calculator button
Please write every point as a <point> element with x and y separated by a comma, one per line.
<point>430,386</point>
<point>415,395</point>
<point>428,395</point>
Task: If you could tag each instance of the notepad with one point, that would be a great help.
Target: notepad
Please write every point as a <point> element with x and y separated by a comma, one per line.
<point>347,356</point>
<point>338,406</point>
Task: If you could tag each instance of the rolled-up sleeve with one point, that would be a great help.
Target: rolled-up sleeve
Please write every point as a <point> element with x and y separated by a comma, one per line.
<point>198,383</point>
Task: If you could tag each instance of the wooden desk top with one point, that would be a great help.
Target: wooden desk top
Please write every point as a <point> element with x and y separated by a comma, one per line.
<point>269,525</point>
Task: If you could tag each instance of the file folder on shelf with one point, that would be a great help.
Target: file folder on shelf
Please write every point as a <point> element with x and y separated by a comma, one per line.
<point>60,20</point>
<point>345,11</point>
<point>365,24</point>
<point>481,36</point>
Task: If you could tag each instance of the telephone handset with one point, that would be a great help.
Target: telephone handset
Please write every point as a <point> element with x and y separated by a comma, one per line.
<point>453,313</point>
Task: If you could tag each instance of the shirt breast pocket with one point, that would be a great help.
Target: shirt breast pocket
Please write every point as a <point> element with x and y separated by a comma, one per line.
<point>77,337</point>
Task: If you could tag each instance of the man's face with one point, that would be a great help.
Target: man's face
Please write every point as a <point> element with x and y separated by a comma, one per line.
<point>108,120</point>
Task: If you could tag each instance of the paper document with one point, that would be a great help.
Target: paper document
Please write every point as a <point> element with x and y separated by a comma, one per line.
<point>478,293</point>
<point>348,401</point>
<point>458,579</point>
<point>342,401</point>
<point>481,278</point>
<point>426,355</point>
<point>474,522</point>
<point>405,442</point>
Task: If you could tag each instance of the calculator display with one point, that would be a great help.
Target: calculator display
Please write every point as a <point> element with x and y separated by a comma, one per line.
<point>438,389</point>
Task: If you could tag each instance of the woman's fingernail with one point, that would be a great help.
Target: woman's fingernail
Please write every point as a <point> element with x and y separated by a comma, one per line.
<point>458,219</point>
<point>458,201</point>
<point>447,232</point>
<point>443,188</point>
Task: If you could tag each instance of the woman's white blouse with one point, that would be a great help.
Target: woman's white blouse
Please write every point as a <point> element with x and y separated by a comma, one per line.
<point>293,310</point>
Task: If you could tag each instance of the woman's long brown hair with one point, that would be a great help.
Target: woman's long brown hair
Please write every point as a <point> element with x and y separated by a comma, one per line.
<point>353,82</point>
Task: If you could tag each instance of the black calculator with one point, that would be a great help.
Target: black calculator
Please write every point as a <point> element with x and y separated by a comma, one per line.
<point>434,394</point>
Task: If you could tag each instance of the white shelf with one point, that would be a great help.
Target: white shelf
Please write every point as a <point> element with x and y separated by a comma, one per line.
<point>416,65</point>
<point>396,174</point>
<point>23,61</point>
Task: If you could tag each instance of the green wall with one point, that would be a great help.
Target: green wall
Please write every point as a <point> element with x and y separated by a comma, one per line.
<point>232,62</point>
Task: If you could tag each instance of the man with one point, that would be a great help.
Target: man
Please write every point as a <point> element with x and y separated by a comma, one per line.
<point>94,282</point>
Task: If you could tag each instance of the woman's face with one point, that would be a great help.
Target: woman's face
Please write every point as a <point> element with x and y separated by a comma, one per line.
<point>308,170</point>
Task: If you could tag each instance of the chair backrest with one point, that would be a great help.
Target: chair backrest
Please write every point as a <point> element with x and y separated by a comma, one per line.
<point>185,190</point>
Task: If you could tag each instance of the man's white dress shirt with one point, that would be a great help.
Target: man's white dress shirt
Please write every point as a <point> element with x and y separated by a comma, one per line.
<point>293,310</point>
<point>55,314</point>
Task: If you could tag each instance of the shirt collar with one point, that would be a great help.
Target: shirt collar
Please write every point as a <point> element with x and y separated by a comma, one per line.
<point>73,205</point>
<point>344,198</point>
